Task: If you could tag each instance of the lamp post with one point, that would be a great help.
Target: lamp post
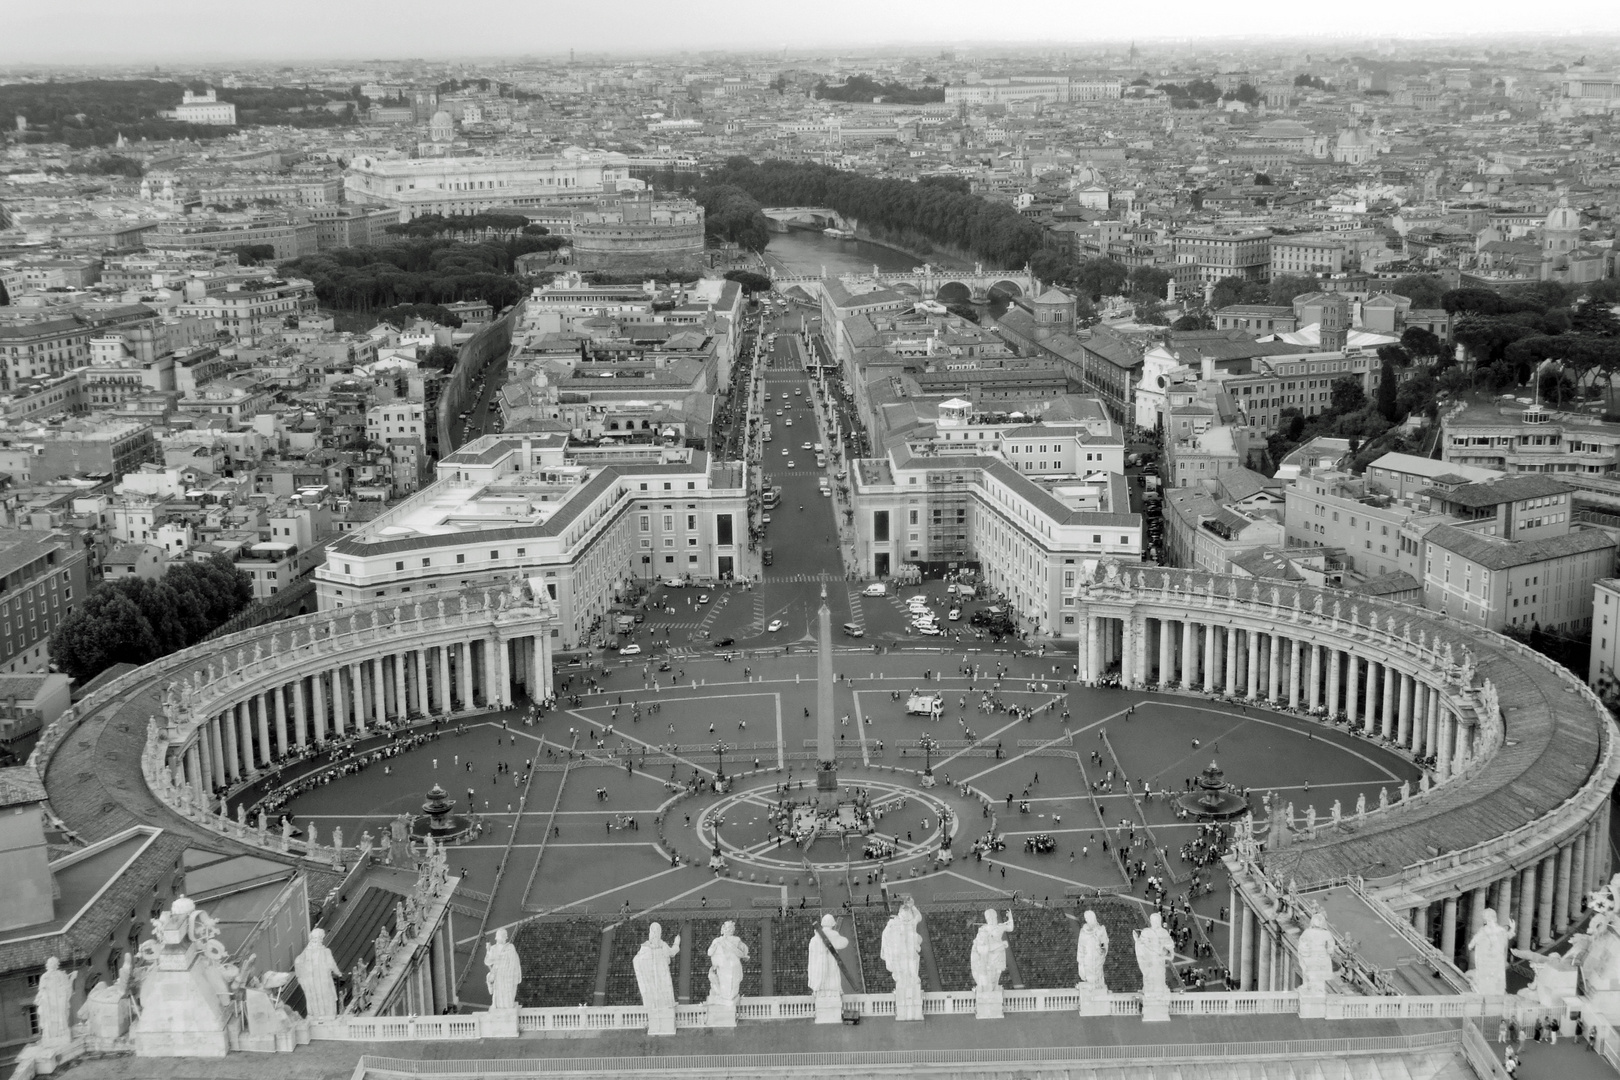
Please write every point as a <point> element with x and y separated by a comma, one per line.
<point>720,749</point>
<point>928,746</point>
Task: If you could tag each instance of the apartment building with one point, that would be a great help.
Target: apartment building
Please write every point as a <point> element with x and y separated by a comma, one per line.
<point>42,578</point>
<point>250,312</point>
<point>516,504</point>
<point>1496,583</point>
<point>1221,253</point>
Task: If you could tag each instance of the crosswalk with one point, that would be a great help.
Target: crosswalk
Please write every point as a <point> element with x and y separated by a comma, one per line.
<point>823,579</point>
<point>857,612</point>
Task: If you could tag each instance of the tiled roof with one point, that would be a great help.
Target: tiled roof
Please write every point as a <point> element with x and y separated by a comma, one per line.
<point>1511,488</point>
<point>1494,553</point>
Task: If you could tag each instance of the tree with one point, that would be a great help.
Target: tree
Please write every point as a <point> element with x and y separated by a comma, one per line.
<point>1419,341</point>
<point>1596,319</point>
<point>1424,290</point>
<point>442,357</point>
<point>1194,320</point>
<point>1284,287</point>
<point>401,314</point>
<point>1262,180</point>
<point>1149,283</point>
<point>1387,404</point>
<point>135,621</point>
<point>750,281</point>
<point>1347,396</point>
<point>254,254</point>
<point>1098,278</point>
<point>1235,290</point>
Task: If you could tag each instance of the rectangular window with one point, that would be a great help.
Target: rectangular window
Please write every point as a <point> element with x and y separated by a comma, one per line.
<point>880,526</point>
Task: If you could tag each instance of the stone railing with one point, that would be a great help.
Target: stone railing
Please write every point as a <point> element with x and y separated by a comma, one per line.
<point>586,1020</point>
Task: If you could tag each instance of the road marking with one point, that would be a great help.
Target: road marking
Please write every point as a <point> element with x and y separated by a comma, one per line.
<point>860,727</point>
<point>1068,736</point>
<point>583,900</point>
<point>781,740</point>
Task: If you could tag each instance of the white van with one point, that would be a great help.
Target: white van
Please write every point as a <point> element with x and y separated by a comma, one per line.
<point>877,588</point>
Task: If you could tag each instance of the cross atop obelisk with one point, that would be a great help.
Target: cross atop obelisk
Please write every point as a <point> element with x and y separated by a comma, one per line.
<point>826,739</point>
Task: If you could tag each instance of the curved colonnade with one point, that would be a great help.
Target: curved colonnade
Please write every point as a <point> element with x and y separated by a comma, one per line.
<point>221,717</point>
<point>1521,760</point>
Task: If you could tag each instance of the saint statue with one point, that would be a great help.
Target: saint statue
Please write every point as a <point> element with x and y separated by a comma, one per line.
<point>53,1003</point>
<point>1090,953</point>
<point>1315,956</point>
<point>1490,948</point>
<point>989,957</point>
<point>1154,952</point>
<point>902,948</point>
<point>726,955</point>
<point>652,969</point>
<point>502,972</point>
<point>825,976</point>
<point>316,969</point>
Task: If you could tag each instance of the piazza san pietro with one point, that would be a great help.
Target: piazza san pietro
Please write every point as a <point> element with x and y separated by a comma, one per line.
<point>417,661</point>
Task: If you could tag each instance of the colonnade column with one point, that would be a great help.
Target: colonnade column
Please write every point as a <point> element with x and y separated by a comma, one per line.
<point>1504,899</point>
<point>317,685</point>
<point>1246,951</point>
<point>1254,664</point>
<point>540,688</point>
<point>446,697</point>
<point>1527,906</point>
<point>1352,687</point>
<point>402,703</point>
<point>279,697</point>
<point>216,749</point>
<point>357,693</point>
<point>1547,871</point>
<point>1476,911</point>
<point>1420,716</point>
<point>1314,701</point>
<point>1094,648</point>
<point>1273,685</point>
<point>1403,710</point>
<point>1233,910</point>
<point>1448,928</point>
<point>1293,672</point>
<point>1231,661</point>
<point>1566,867</point>
<point>244,736</point>
<point>466,675</point>
<point>1577,876</point>
<point>1209,658</point>
<point>1334,659</point>
<point>379,690</point>
<point>1189,653</point>
<point>300,714</point>
<point>262,702</point>
<point>423,706</point>
<point>1391,680</point>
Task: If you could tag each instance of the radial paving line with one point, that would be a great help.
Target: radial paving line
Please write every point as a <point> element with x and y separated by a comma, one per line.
<point>506,854</point>
<point>1147,826</point>
<point>1097,808</point>
<point>551,823</point>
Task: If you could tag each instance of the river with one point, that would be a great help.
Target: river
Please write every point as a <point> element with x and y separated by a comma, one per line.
<point>805,251</point>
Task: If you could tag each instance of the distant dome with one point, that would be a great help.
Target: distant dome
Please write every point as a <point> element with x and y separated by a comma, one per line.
<point>1564,217</point>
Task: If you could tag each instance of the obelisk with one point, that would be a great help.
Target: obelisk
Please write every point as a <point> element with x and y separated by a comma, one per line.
<point>826,739</point>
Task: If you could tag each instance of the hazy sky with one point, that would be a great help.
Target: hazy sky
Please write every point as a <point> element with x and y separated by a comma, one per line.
<point>105,31</point>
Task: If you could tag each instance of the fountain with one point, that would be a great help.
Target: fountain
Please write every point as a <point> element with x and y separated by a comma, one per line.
<point>439,821</point>
<point>1213,797</point>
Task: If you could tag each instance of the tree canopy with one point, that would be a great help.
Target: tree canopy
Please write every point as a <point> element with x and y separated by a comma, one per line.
<point>862,89</point>
<point>731,213</point>
<point>135,620</point>
<point>418,271</point>
<point>918,215</point>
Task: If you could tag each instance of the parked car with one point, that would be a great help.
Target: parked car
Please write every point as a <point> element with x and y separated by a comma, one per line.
<point>775,625</point>
<point>851,630</point>
<point>703,597</point>
<point>725,643</point>
<point>631,649</point>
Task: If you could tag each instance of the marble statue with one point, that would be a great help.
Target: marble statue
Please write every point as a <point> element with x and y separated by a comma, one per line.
<point>652,969</point>
<point>1154,951</point>
<point>314,832</point>
<point>989,956</point>
<point>107,1009</point>
<point>1383,798</point>
<point>1316,605</point>
<point>258,651</point>
<point>1361,805</point>
<point>1338,608</point>
<point>901,952</point>
<point>53,1003</point>
<point>241,815</point>
<point>1310,820</point>
<point>1406,790</point>
<point>503,972</point>
<point>286,833</point>
<point>824,974</point>
<point>1315,948</point>
<point>316,969</point>
<point>1091,951</point>
<point>726,955</point>
<point>337,839</point>
<point>380,947</point>
<point>1490,948</point>
<point>1423,783</point>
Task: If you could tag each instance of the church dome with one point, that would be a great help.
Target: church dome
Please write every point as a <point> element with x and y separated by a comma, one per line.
<point>1564,218</point>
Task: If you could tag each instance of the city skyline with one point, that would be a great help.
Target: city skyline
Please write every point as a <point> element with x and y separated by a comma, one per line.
<point>107,34</point>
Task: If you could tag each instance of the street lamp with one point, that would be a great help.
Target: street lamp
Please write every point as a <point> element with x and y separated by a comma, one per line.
<point>720,749</point>
<point>928,746</point>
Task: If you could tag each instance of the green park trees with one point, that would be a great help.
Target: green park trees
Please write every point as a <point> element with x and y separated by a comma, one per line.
<point>418,271</point>
<point>917,214</point>
<point>732,214</point>
<point>135,620</point>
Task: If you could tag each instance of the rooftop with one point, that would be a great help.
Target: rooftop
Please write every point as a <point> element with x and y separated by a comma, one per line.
<point>1495,553</point>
